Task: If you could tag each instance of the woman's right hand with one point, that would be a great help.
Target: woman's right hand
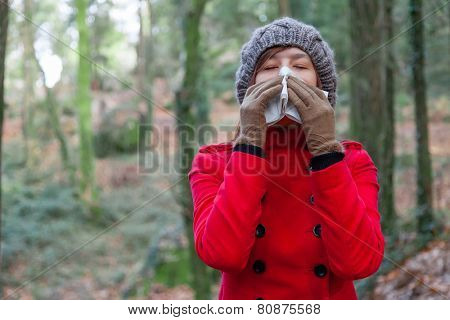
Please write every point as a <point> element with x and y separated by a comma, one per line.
<point>252,112</point>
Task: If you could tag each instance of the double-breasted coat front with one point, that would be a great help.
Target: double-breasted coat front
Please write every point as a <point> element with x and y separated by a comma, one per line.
<point>277,229</point>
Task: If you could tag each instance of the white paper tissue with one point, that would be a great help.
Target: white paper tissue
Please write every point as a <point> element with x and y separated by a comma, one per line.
<point>280,105</point>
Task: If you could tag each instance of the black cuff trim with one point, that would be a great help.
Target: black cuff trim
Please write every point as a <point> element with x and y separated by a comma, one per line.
<point>325,160</point>
<point>250,148</point>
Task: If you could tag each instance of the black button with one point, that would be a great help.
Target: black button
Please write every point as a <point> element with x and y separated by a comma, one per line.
<point>260,231</point>
<point>259,266</point>
<point>320,270</point>
<point>311,199</point>
<point>317,230</point>
<point>260,298</point>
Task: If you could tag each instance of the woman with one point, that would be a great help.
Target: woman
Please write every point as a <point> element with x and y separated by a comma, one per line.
<point>287,211</point>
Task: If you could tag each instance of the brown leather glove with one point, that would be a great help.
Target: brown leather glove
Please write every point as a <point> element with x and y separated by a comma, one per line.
<point>317,116</point>
<point>252,118</point>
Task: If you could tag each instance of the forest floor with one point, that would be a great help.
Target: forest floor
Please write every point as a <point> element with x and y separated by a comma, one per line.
<point>425,275</point>
<point>116,262</point>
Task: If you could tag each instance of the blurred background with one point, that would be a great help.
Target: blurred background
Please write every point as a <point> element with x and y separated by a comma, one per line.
<point>95,202</point>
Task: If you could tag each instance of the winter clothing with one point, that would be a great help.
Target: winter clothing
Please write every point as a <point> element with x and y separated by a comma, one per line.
<point>277,229</point>
<point>317,116</point>
<point>252,117</point>
<point>287,32</point>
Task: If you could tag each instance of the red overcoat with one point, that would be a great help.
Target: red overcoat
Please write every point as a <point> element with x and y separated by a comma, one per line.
<point>278,230</point>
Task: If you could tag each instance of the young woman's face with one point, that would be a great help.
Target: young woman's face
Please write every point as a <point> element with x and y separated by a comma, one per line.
<point>294,58</point>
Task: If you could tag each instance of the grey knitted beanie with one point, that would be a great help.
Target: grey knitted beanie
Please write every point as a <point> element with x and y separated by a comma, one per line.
<point>288,32</point>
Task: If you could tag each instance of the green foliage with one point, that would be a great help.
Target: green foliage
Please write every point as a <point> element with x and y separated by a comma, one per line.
<point>174,268</point>
<point>405,161</point>
<point>117,136</point>
<point>221,80</point>
<point>35,216</point>
<point>402,99</point>
<point>112,140</point>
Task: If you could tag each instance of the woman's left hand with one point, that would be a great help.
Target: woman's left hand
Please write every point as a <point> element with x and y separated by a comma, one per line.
<point>317,116</point>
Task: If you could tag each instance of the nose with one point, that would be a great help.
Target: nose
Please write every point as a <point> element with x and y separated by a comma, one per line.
<point>285,71</point>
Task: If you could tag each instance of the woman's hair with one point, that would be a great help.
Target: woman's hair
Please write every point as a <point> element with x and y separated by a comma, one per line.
<point>269,53</point>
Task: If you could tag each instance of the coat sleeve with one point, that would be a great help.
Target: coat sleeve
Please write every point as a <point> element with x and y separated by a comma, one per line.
<point>347,201</point>
<point>227,207</point>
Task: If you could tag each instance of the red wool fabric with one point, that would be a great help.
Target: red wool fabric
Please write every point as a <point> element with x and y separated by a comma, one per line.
<point>277,230</point>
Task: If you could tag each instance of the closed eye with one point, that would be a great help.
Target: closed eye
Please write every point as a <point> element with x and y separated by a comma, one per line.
<point>300,67</point>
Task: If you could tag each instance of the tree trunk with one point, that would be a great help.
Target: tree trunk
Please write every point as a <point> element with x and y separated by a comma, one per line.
<point>87,178</point>
<point>4,10</point>
<point>203,109</point>
<point>144,71</point>
<point>140,51</point>
<point>186,98</point>
<point>27,107</point>
<point>53,115</point>
<point>424,174</point>
<point>284,8</point>
<point>387,206</point>
<point>369,108</point>
<point>367,89</point>
<point>50,103</point>
<point>149,52</point>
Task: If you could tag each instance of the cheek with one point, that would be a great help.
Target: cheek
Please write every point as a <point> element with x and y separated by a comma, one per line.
<point>307,75</point>
<point>266,75</point>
